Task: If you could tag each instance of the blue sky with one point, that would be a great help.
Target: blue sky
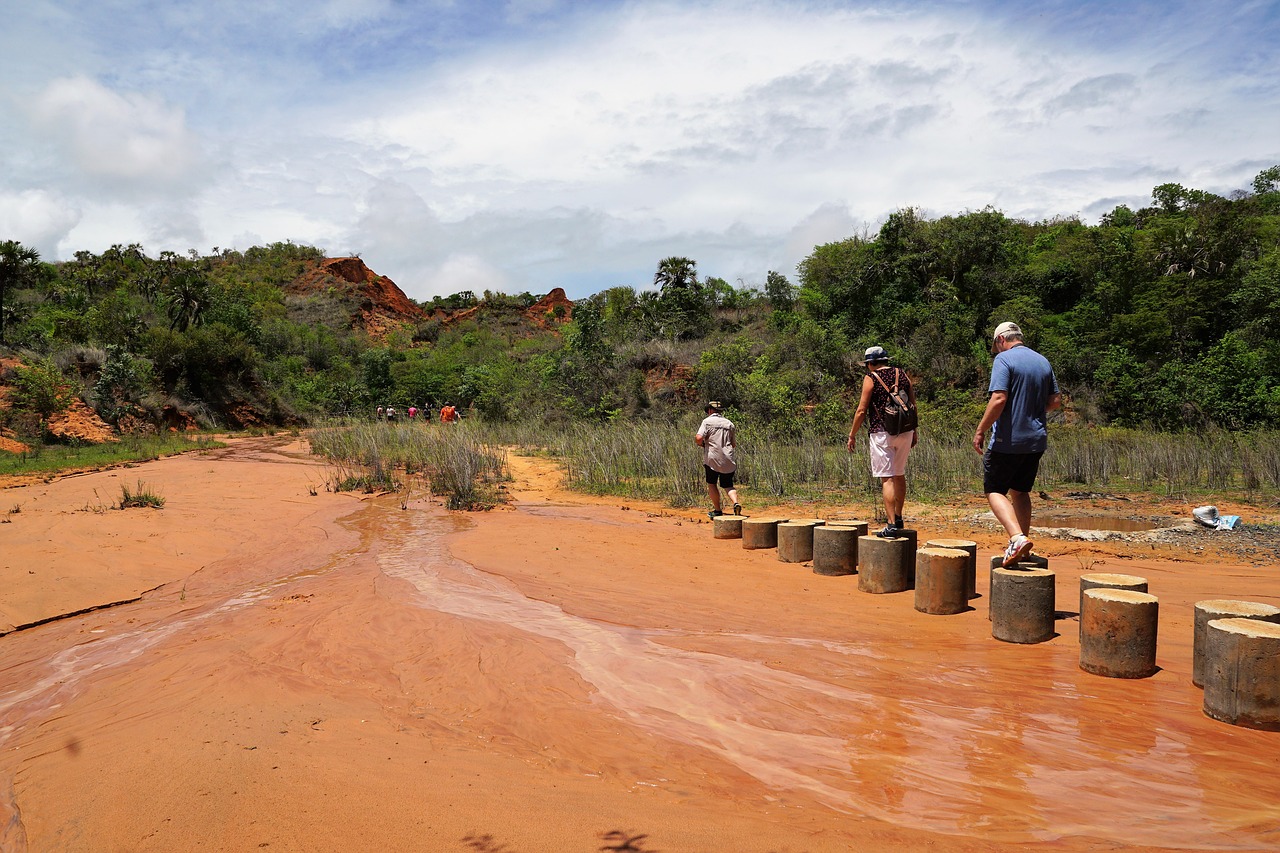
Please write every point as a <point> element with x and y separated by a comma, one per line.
<point>534,144</point>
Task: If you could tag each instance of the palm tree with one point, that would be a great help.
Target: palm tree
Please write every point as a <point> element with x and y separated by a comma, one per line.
<point>19,265</point>
<point>676,273</point>
<point>685,310</point>
<point>186,292</point>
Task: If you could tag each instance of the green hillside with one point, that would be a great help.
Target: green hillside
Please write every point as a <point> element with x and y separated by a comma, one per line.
<point>1166,317</point>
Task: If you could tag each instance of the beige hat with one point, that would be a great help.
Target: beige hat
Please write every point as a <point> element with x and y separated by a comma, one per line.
<point>1005,329</point>
<point>714,406</point>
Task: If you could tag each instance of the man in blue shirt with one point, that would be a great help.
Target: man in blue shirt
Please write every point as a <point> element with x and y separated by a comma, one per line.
<point>1022,392</point>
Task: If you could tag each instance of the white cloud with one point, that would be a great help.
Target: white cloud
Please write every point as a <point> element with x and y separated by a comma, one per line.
<point>37,218</point>
<point>559,144</point>
<point>129,142</point>
<point>464,272</point>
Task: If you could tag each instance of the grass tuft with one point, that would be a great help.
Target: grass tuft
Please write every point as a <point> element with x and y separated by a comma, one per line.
<point>141,496</point>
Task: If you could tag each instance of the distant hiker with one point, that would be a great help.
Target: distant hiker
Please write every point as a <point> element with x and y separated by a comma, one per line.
<point>888,451</point>
<point>413,412</point>
<point>391,413</point>
<point>448,414</point>
<point>1023,391</point>
<point>716,435</point>
<point>381,412</point>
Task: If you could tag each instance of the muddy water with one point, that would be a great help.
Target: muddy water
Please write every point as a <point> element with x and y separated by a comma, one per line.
<point>951,734</point>
<point>957,747</point>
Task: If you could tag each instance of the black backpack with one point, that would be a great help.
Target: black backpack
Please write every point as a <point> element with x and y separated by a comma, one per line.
<point>900,414</point>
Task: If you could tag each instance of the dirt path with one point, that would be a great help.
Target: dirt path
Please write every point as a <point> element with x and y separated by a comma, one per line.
<point>324,672</point>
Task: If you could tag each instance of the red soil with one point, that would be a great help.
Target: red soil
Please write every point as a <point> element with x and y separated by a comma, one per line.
<point>303,670</point>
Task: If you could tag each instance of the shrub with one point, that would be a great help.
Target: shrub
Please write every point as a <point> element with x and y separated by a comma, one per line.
<point>40,388</point>
<point>141,496</point>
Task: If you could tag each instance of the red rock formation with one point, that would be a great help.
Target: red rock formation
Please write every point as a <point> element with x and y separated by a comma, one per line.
<point>550,311</point>
<point>381,306</point>
<point>555,307</point>
<point>81,423</point>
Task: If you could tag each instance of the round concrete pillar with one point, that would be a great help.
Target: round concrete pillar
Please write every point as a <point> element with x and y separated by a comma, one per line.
<point>885,565</point>
<point>727,527</point>
<point>1031,561</point>
<point>795,540</point>
<point>1206,611</point>
<point>758,533</point>
<point>1118,630</point>
<point>942,581</point>
<point>859,528</point>
<point>1242,673</point>
<point>970,548</point>
<point>835,550</point>
<point>1022,605</point>
<point>913,543</point>
<point>1109,580</point>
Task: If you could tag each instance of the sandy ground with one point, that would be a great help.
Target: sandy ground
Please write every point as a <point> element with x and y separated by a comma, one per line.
<point>283,668</point>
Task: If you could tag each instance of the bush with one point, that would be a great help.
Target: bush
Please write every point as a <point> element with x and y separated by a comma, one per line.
<point>41,389</point>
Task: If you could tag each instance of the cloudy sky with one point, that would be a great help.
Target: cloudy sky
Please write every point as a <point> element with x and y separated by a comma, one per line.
<point>530,144</point>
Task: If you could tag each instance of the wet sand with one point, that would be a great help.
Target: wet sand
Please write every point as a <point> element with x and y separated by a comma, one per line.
<point>304,672</point>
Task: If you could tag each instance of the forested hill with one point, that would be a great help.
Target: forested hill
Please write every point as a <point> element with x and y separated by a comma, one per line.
<point>1167,316</point>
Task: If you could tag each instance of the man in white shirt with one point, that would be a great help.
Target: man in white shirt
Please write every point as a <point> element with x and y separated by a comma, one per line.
<point>716,435</point>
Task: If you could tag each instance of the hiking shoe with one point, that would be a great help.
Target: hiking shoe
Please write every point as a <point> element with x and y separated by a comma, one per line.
<point>890,531</point>
<point>1019,547</point>
<point>715,513</point>
<point>737,509</point>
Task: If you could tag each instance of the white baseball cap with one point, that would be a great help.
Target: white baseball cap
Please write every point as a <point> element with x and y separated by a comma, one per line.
<point>1002,330</point>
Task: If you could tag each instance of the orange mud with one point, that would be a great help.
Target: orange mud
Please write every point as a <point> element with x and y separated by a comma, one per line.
<point>330,672</point>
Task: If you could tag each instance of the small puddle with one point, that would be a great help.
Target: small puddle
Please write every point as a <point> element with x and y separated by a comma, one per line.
<point>1115,523</point>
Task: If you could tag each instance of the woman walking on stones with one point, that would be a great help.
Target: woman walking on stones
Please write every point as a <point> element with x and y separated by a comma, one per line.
<point>888,452</point>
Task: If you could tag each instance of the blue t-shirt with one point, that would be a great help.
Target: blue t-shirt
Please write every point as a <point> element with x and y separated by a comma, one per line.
<point>1026,376</point>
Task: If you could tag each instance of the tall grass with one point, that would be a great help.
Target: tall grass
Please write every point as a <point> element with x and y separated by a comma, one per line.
<point>456,461</point>
<point>659,461</point>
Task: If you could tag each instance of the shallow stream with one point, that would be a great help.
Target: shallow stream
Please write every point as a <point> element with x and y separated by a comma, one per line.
<point>989,770</point>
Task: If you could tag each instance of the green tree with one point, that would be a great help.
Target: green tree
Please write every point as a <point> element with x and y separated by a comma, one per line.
<point>780,292</point>
<point>684,310</point>
<point>1267,181</point>
<point>1231,388</point>
<point>19,267</point>
<point>185,292</point>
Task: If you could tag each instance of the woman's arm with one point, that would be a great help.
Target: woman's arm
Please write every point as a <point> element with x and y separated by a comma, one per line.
<point>860,415</point>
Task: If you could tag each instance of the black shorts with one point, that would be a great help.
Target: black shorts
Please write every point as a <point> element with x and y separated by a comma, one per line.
<point>713,477</point>
<point>1005,472</point>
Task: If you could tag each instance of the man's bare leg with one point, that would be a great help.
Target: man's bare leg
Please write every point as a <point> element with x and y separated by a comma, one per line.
<point>1022,510</point>
<point>1005,512</point>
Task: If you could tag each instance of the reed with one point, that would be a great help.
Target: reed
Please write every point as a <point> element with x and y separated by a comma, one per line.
<point>456,461</point>
<point>659,461</point>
